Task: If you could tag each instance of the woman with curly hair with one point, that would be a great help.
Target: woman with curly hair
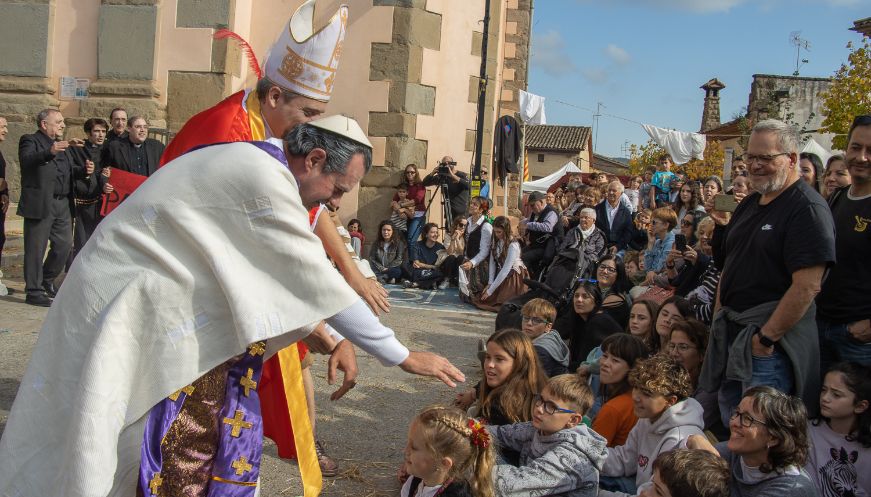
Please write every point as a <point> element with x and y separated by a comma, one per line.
<point>768,445</point>
<point>689,199</point>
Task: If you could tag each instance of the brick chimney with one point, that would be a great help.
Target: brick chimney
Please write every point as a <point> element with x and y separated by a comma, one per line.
<point>711,113</point>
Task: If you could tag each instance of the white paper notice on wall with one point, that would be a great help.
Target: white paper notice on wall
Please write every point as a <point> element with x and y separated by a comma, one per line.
<point>72,88</point>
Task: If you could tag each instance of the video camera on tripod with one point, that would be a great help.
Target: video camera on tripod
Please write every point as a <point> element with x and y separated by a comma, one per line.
<point>444,169</point>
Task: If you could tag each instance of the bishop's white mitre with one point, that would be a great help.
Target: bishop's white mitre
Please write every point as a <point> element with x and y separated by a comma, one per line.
<point>304,60</point>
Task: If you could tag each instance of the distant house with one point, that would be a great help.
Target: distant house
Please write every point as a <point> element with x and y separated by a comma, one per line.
<point>610,166</point>
<point>549,147</point>
<point>771,96</point>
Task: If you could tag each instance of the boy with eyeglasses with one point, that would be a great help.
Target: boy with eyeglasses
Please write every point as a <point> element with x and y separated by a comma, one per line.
<point>661,390</point>
<point>538,316</point>
<point>559,455</point>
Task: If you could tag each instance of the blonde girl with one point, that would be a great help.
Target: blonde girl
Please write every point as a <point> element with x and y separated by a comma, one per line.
<point>447,454</point>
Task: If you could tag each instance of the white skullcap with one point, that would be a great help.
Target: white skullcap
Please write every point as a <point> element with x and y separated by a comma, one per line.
<point>343,126</point>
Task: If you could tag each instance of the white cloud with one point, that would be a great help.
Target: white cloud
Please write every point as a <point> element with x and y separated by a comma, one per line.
<point>617,54</point>
<point>549,53</point>
<point>595,75</point>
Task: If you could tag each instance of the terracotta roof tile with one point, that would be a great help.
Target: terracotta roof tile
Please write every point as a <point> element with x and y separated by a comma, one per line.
<point>557,138</point>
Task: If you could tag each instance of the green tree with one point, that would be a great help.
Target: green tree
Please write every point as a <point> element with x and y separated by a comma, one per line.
<point>849,94</point>
<point>640,157</point>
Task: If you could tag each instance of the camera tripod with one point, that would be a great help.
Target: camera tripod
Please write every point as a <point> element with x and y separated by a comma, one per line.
<point>447,215</point>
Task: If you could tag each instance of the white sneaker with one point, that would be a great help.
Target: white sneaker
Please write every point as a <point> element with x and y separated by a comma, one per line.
<point>443,285</point>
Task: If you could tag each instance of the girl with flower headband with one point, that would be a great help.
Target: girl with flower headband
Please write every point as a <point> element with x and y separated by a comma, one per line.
<point>448,454</point>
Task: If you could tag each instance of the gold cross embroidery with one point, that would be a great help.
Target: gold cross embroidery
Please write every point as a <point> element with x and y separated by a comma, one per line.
<point>188,390</point>
<point>258,348</point>
<point>155,483</point>
<point>238,423</point>
<point>241,466</point>
<point>248,382</point>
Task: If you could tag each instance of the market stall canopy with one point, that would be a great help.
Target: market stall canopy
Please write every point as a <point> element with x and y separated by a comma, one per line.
<point>542,184</point>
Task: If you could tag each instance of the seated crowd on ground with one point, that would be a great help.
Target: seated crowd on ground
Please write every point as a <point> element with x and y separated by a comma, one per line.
<point>650,344</point>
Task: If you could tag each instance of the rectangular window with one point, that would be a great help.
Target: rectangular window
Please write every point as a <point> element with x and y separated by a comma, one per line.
<point>540,157</point>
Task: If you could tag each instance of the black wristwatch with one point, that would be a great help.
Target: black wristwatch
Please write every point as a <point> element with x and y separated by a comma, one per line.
<point>764,340</point>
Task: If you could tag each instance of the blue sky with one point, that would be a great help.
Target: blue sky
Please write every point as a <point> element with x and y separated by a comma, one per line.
<point>645,59</point>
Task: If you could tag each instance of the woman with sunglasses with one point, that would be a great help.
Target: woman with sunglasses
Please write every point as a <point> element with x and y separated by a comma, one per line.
<point>417,192</point>
<point>456,249</point>
<point>768,446</point>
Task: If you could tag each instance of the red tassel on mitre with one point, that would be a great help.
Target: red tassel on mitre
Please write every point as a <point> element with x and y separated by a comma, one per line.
<point>246,49</point>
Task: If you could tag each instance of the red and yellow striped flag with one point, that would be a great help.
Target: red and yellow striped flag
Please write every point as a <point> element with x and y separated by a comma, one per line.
<point>525,167</point>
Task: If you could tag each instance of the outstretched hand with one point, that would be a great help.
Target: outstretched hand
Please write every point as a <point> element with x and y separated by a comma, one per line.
<point>372,292</point>
<point>429,364</point>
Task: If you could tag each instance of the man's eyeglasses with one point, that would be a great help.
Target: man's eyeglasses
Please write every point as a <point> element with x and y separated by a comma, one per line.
<point>550,407</point>
<point>608,269</point>
<point>761,159</point>
<point>534,320</point>
<point>746,419</point>
<point>682,347</point>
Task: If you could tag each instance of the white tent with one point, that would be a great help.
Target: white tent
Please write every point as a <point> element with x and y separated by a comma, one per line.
<point>542,184</point>
<point>815,148</point>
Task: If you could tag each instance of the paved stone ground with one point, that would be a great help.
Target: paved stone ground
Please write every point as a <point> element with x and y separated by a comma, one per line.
<point>365,431</point>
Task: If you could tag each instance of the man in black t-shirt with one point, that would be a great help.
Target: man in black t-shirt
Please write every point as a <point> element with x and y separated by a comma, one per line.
<point>774,251</point>
<point>844,305</point>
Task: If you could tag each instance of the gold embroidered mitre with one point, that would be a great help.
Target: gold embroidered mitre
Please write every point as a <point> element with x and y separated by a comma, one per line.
<point>304,59</point>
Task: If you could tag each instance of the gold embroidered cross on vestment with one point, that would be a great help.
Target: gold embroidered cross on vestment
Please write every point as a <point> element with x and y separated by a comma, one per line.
<point>248,382</point>
<point>238,423</point>
<point>155,483</point>
<point>241,466</point>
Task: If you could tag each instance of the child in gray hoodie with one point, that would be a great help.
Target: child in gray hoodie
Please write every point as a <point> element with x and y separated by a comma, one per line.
<point>538,316</point>
<point>558,454</point>
<point>661,390</point>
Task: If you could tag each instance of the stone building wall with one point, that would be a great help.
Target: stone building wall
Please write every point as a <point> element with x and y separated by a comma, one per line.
<point>795,99</point>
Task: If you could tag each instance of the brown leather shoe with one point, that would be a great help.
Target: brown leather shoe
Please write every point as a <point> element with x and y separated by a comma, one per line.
<point>328,466</point>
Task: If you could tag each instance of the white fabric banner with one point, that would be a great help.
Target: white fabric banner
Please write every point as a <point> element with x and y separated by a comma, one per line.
<point>531,108</point>
<point>680,145</point>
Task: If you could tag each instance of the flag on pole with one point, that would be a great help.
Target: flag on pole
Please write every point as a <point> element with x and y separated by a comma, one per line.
<point>525,167</point>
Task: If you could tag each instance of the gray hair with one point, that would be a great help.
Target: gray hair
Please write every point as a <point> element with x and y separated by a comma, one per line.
<point>787,135</point>
<point>304,138</point>
<point>588,211</point>
<point>43,115</point>
<point>263,86</point>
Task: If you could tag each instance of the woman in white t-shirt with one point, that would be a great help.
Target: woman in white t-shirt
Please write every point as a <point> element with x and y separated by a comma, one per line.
<point>839,460</point>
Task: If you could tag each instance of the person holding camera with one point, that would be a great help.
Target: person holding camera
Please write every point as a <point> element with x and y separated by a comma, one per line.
<point>457,183</point>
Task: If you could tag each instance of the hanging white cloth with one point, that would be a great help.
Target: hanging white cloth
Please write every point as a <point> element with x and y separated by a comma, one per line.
<point>531,108</point>
<point>680,145</point>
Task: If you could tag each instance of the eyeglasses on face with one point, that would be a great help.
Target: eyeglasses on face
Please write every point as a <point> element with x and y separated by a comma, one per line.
<point>761,159</point>
<point>550,407</point>
<point>745,418</point>
<point>608,269</point>
<point>534,320</point>
<point>682,347</point>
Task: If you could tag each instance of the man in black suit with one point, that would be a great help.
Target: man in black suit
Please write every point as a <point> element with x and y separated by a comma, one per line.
<point>136,154</point>
<point>88,189</point>
<point>614,219</point>
<point>47,175</point>
<point>118,123</point>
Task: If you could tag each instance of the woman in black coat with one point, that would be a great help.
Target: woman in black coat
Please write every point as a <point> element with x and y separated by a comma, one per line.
<point>585,324</point>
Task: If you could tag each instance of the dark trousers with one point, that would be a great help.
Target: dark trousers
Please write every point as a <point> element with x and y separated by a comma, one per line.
<point>87,218</point>
<point>2,232</point>
<point>56,228</point>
